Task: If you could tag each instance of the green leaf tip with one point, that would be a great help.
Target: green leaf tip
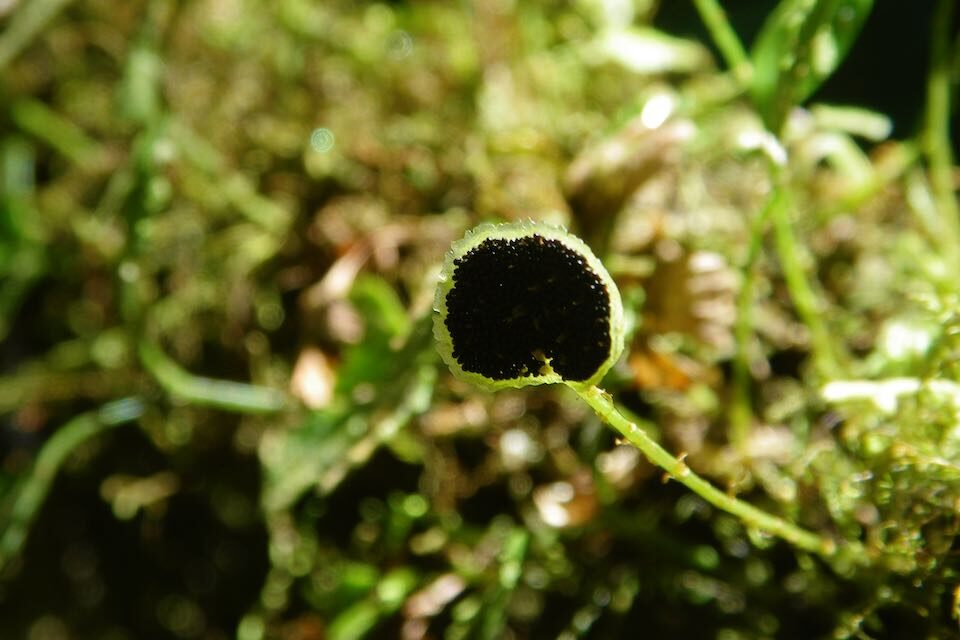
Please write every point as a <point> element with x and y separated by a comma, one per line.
<point>526,303</point>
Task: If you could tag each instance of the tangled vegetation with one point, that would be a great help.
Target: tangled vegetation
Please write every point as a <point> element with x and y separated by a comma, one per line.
<point>222,410</point>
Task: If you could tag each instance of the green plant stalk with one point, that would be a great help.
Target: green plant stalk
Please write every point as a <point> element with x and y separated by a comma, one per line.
<point>28,21</point>
<point>741,413</point>
<point>209,392</point>
<point>32,490</point>
<point>776,210</point>
<point>725,38</point>
<point>801,292</point>
<point>56,131</point>
<point>751,516</point>
<point>936,133</point>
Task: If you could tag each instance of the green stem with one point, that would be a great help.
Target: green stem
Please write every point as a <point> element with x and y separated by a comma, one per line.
<point>801,291</point>
<point>55,130</point>
<point>751,516</point>
<point>741,413</point>
<point>937,125</point>
<point>208,392</point>
<point>29,21</point>
<point>32,490</point>
<point>725,38</point>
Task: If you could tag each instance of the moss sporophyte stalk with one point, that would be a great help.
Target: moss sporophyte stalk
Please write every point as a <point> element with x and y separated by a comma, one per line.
<point>528,303</point>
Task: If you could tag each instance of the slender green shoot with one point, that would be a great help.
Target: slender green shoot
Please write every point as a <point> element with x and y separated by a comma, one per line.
<point>936,134</point>
<point>802,293</point>
<point>28,21</point>
<point>741,412</point>
<point>32,490</point>
<point>209,392</point>
<point>42,122</point>
<point>775,212</point>
<point>725,38</point>
<point>751,516</point>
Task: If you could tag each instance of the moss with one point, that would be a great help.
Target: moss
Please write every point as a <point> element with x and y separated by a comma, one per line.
<point>789,313</point>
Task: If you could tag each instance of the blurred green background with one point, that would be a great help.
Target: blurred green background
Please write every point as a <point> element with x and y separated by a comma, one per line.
<point>221,410</point>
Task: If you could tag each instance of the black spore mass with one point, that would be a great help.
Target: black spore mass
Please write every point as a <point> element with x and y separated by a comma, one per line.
<point>517,302</point>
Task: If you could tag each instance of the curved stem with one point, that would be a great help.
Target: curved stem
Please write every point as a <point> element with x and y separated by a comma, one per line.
<point>32,489</point>
<point>208,392</point>
<point>751,516</point>
<point>741,413</point>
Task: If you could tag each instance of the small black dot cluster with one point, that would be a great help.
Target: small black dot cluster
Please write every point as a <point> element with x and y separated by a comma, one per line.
<point>515,302</point>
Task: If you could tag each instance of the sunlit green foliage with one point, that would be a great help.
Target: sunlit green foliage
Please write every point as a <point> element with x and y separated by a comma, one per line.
<point>221,408</point>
